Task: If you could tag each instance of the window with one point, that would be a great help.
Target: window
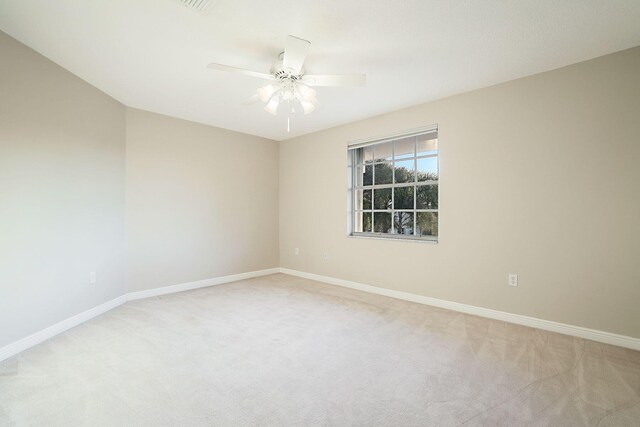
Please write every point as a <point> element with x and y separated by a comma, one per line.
<point>394,186</point>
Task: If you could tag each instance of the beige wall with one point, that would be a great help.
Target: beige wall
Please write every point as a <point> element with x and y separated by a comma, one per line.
<point>202,202</point>
<point>61,193</point>
<point>539,176</point>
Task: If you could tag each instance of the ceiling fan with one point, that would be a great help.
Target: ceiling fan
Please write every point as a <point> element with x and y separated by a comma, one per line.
<point>289,82</point>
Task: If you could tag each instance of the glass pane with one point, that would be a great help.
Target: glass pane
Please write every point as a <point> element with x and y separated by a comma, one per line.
<point>427,169</point>
<point>383,151</point>
<point>405,148</point>
<point>427,197</point>
<point>427,223</point>
<point>403,223</point>
<point>404,171</point>
<point>368,175</point>
<point>427,144</point>
<point>363,222</point>
<point>382,222</point>
<point>366,222</point>
<point>382,198</point>
<point>367,154</point>
<point>384,173</point>
<point>366,199</point>
<point>364,175</point>
<point>403,198</point>
<point>363,200</point>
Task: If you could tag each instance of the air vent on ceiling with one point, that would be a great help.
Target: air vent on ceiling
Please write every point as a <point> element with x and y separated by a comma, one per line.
<point>198,5</point>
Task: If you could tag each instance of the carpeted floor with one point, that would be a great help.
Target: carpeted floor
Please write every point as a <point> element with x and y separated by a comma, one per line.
<point>281,350</point>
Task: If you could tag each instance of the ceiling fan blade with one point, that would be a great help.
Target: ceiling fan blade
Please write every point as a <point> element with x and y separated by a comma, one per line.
<point>295,52</point>
<point>221,67</point>
<point>335,80</point>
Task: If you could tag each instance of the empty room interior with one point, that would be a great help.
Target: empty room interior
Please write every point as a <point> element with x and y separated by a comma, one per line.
<point>319,213</point>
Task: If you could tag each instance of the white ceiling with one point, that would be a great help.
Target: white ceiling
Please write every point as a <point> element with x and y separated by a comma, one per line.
<point>152,54</point>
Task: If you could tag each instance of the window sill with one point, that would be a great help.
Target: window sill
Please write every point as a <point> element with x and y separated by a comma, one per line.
<point>395,239</point>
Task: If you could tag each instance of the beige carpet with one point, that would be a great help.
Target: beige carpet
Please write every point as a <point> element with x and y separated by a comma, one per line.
<point>280,350</point>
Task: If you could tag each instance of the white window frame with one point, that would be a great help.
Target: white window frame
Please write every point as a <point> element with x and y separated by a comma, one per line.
<point>353,188</point>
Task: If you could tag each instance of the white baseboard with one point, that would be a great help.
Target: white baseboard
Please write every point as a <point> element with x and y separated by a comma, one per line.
<point>547,325</point>
<point>43,335</point>
<point>132,296</point>
<point>577,331</point>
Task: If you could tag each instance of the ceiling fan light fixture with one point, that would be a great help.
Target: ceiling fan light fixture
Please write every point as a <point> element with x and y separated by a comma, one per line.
<point>288,95</point>
<point>307,93</point>
<point>265,93</point>
<point>307,106</point>
<point>272,105</point>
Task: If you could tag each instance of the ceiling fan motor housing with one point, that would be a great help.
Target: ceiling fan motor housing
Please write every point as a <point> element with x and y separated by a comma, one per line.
<point>278,71</point>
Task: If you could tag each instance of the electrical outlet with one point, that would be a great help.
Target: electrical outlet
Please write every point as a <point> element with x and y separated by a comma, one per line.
<point>325,256</point>
<point>513,280</point>
<point>296,251</point>
<point>92,277</point>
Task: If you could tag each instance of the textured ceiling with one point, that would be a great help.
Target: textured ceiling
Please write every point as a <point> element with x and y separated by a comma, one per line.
<point>152,54</point>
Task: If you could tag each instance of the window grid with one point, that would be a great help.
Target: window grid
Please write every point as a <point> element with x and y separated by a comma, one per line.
<point>359,167</point>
